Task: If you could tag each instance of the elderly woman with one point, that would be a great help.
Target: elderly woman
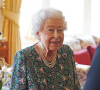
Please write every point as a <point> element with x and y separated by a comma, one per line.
<point>48,64</point>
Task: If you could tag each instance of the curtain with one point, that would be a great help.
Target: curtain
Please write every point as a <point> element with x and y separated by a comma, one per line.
<point>11,14</point>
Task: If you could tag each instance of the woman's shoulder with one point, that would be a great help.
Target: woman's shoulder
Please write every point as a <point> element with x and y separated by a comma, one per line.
<point>28,50</point>
<point>65,47</point>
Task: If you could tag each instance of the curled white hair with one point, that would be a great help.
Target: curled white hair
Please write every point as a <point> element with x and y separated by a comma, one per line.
<point>39,18</point>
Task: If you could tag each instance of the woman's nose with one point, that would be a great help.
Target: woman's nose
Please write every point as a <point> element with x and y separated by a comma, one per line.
<point>56,34</point>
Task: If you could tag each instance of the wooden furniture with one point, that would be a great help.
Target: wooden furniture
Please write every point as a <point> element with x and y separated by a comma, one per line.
<point>4,49</point>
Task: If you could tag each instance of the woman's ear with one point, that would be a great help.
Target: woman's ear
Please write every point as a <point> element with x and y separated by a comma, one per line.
<point>38,36</point>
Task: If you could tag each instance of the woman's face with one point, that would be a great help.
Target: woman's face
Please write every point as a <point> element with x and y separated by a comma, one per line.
<point>52,34</point>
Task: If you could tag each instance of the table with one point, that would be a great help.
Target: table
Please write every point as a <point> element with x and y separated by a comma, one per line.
<point>4,49</point>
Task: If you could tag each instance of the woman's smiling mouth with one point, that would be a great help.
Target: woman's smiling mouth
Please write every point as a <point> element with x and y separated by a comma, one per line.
<point>55,42</point>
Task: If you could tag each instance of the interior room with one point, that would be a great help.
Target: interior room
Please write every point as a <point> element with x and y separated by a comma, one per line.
<point>82,34</point>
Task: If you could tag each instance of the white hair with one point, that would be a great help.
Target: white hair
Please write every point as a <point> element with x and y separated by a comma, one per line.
<point>39,18</point>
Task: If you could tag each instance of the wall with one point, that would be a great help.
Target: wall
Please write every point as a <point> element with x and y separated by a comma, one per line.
<point>45,3</point>
<point>87,17</point>
<point>1,21</point>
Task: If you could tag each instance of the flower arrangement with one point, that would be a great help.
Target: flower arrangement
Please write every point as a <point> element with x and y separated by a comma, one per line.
<point>5,72</point>
<point>5,75</point>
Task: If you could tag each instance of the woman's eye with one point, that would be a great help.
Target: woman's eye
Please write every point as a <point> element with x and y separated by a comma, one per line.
<point>51,30</point>
<point>60,30</point>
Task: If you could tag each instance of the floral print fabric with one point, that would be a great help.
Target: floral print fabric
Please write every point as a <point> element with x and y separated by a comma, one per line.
<point>31,73</point>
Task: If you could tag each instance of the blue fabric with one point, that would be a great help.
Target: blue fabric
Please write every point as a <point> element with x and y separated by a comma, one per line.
<point>93,76</point>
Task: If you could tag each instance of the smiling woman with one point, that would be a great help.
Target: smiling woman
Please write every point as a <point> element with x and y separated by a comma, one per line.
<point>51,36</point>
<point>48,64</point>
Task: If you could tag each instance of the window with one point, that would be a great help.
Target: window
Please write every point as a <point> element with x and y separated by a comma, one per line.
<point>95,15</point>
<point>73,12</point>
<point>28,8</point>
<point>82,16</point>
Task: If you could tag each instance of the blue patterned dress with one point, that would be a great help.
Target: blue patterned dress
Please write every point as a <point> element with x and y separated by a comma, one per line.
<point>31,73</point>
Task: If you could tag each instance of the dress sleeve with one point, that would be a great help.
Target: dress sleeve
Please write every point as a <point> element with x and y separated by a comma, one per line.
<point>77,84</point>
<point>18,78</point>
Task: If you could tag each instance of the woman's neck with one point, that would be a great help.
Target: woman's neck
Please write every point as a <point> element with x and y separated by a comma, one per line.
<point>44,53</point>
<point>50,55</point>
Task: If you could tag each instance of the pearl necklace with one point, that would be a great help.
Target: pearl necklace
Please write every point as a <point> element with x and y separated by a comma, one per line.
<point>48,63</point>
